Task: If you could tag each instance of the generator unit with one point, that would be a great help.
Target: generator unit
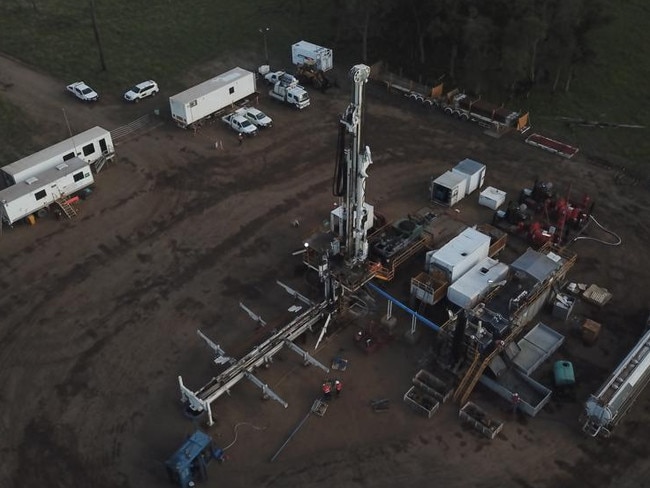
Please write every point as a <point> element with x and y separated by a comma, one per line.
<point>189,462</point>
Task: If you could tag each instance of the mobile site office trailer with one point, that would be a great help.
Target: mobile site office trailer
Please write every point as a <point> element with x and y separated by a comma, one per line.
<point>90,146</point>
<point>304,52</point>
<point>210,97</point>
<point>28,197</point>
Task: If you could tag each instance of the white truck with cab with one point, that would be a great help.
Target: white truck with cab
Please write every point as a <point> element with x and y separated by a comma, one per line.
<point>212,96</point>
<point>237,122</point>
<point>293,94</point>
<point>82,91</point>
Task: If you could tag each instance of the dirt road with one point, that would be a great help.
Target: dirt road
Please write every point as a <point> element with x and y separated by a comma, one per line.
<point>99,314</point>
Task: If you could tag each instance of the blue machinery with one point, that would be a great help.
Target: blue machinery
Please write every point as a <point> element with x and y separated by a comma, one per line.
<point>414,315</point>
<point>190,461</point>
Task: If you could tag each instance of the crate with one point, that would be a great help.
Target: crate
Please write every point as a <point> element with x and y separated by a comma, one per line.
<point>478,418</point>
<point>432,385</point>
<point>421,402</point>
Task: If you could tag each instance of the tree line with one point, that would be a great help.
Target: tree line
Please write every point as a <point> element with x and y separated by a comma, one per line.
<point>505,45</point>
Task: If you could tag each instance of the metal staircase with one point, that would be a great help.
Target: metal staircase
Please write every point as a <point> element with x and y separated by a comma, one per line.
<point>68,210</point>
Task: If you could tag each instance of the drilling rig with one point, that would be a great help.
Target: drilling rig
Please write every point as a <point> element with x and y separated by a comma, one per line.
<point>342,253</point>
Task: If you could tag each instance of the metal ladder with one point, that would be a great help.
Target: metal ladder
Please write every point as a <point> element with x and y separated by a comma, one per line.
<point>67,209</point>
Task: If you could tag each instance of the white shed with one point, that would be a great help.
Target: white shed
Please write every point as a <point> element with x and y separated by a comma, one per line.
<point>468,290</point>
<point>492,198</point>
<point>449,188</point>
<point>460,254</point>
<point>475,172</point>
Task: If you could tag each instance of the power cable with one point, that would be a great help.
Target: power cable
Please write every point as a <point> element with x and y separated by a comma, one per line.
<point>235,430</point>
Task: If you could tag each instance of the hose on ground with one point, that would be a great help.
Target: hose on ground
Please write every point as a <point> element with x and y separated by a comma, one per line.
<point>617,238</point>
<point>235,430</point>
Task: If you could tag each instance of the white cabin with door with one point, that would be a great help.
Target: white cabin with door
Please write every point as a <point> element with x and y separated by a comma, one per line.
<point>40,191</point>
<point>90,146</point>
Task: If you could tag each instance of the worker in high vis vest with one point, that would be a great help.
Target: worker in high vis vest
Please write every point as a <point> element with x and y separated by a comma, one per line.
<point>338,386</point>
<point>327,390</point>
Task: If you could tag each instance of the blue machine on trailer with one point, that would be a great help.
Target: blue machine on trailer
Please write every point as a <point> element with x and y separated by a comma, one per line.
<point>190,462</point>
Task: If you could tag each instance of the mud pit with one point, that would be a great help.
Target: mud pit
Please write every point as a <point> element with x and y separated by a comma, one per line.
<point>99,315</point>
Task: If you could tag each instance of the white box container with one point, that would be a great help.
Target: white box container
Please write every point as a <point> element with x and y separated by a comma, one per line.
<point>475,172</point>
<point>460,254</point>
<point>303,52</point>
<point>468,290</point>
<point>492,198</point>
<point>449,188</point>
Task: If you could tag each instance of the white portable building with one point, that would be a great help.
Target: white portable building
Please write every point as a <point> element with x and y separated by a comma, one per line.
<point>460,254</point>
<point>448,189</point>
<point>90,146</point>
<point>475,172</point>
<point>468,290</point>
<point>37,192</point>
<point>211,96</point>
<point>305,52</point>
<point>492,197</point>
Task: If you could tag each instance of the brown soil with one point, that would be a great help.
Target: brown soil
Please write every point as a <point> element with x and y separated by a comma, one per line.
<point>99,314</point>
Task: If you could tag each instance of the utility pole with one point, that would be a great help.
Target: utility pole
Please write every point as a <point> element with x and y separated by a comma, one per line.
<point>97,39</point>
<point>263,31</point>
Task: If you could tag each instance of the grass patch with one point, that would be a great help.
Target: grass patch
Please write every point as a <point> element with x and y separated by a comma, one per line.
<point>613,88</point>
<point>15,132</point>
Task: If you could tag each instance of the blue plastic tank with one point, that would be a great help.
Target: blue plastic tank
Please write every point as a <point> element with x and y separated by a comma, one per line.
<point>563,373</point>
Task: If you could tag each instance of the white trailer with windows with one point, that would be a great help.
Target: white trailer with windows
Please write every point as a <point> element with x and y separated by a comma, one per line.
<point>91,146</point>
<point>212,96</point>
<point>36,192</point>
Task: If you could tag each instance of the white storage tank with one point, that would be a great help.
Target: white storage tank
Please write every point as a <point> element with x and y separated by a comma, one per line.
<point>448,189</point>
<point>492,198</point>
<point>460,254</point>
<point>475,172</point>
<point>470,288</point>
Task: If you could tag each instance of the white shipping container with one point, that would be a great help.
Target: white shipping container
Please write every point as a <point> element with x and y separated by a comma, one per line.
<point>37,192</point>
<point>89,146</point>
<point>448,189</point>
<point>468,290</point>
<point>492,198</point>
<point>211,96</point>
<point>460,254</point>
<point>303,52</point>
<point>475,172</point>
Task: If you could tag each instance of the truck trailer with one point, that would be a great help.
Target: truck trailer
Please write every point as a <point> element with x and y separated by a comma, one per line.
<point>212,96</point>
<point>40,191</point>
<point>321,58</point>
<point>90,146</point>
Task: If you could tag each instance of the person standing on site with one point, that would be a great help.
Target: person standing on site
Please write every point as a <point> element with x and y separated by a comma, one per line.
<point>327,391</point>
<point>240,136</point>
<point>338,386</point>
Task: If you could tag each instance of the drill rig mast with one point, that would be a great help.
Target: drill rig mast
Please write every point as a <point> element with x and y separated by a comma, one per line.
<point>352,219</point>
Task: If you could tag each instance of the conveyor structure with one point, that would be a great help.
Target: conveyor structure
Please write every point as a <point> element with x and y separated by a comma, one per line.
<point>606,408</point>
<point>262,354</point>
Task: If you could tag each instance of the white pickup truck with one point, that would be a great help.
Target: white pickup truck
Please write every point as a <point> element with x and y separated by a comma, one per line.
<point>285,78</point>
<point>239,123</point>
<point>256,117</point>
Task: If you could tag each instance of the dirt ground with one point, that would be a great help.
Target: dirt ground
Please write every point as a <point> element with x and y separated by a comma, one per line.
<point>99,314</point>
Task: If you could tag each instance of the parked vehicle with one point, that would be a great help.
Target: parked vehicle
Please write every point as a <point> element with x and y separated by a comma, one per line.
<point>283,77</point>
<point>82,91</point>
<point>237,122</point>
<point>293,94</point>
<point>212,96</point>
<point>257,117</point>
<point>141,90</point>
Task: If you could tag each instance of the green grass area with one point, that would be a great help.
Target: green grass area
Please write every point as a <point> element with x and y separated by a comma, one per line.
<point>15,132</point>
<point>166,40</point>
<point>613,89</point>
